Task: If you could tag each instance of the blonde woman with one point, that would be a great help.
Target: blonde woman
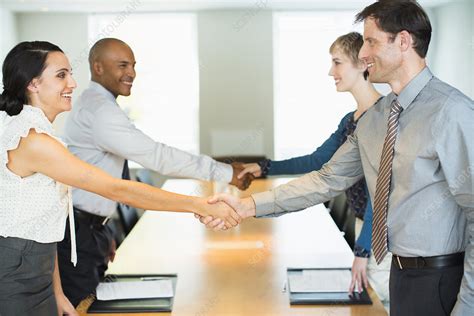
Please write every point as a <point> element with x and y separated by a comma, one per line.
<point>350,75</point>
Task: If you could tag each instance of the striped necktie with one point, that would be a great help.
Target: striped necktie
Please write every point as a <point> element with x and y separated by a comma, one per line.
<point>382,188</point>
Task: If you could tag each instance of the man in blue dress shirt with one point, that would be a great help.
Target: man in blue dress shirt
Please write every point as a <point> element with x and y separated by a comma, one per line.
<point>99,132</point>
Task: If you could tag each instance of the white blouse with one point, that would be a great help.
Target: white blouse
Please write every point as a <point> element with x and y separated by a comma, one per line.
<point>33,207</point>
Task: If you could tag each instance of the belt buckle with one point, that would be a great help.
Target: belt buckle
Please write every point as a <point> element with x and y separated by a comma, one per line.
<point>399,263</point>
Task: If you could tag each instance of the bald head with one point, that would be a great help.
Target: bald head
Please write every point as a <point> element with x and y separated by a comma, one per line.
<point>112,65</point>
<point>101,48</point>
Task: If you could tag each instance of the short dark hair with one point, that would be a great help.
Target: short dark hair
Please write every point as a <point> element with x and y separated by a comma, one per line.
<point>394,16</point>
<point>23,63</point>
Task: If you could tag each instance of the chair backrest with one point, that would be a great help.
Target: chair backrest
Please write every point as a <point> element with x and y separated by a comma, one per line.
<point>144,176</point>
<point>128,217</point>
<point>117,230</point>
<point>339,210</point>
<point>349,227</point>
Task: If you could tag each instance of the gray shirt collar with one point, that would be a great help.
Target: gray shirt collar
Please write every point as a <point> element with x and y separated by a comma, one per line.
<point>103,91</point>
<point>412,89</point>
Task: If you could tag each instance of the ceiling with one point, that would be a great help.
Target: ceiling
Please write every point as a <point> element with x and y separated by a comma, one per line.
<point>188,5</point>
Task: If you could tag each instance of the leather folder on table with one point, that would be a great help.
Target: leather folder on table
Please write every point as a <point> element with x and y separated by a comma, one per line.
<point>136,305</point>
<point>301,294</point>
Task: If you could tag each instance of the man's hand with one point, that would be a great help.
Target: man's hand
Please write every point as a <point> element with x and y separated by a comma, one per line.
<point>226,215</point>
<point>359,274</point>
<point>64,306</point>
<point>242,182</point>
<point>251,168</point>
<point>244,207</point>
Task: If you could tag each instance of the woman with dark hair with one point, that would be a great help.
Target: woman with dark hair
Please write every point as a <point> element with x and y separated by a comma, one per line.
<point>36,171</point>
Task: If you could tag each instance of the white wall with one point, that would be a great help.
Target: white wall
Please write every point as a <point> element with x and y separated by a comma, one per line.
<point>236,82</point>
<point>236,76</point>
<point>452,48</point>
<point>8,35</point>
<point>69,32</point>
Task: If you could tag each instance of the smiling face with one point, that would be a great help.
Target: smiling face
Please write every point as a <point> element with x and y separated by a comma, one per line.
<point>114,68</point>
<point>381,53</point>
<point>52,90</point>
<point>344,72</point>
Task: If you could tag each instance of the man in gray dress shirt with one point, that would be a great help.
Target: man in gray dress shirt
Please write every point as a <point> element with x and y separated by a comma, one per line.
<point>100,133</point>
<point>430,217</point>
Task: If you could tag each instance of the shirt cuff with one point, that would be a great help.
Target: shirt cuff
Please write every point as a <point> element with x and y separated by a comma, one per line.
<point>264,203</point>
<point>361,252</point>
<point>223,172</point>
<point>265,166</point>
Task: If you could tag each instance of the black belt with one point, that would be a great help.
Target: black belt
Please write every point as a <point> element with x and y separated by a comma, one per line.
<point>88,218</point>
<point>444,261</point>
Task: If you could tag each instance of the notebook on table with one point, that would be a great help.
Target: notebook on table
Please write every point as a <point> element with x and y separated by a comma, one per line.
<point>109,289</point>
<point>323,286</point>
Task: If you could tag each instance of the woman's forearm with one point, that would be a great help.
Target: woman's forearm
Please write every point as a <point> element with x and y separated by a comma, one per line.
<point>147,197</point>
<point>151,198</point>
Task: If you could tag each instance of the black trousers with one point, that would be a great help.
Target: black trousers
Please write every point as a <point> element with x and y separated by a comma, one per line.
<point>419,292</point>
<point>93,247</point>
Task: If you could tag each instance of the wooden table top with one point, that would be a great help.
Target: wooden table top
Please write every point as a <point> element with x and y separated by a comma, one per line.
<point>240,271</point>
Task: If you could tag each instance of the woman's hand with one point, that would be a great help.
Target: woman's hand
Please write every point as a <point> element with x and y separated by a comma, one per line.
<point>252,168</point>
<point>359,274</point>
<point>218,210</point>
<point>64,306</point>
<point>244,207</point>
<point>62,303</point>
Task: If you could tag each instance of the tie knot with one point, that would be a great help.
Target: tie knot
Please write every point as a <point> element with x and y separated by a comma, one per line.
<point>396,107</point>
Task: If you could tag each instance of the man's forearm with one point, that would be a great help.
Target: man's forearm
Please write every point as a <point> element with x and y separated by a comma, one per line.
<point>311,189</point>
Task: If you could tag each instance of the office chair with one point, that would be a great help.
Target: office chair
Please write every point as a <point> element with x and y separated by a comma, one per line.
<point>128,217</point>
<point>144,176</point>
<point>115,226</point>
<point>349,227</point>
<point>338,207</point>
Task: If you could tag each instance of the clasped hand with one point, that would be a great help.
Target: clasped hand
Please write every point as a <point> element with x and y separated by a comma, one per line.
<point>240,178</point>
<point>237,207</point>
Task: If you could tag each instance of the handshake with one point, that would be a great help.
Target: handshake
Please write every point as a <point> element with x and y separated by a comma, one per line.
<point>223,211</point>
<point>244,174</point>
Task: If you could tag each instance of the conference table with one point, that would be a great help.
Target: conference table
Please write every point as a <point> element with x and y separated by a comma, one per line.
<point>241,271</point>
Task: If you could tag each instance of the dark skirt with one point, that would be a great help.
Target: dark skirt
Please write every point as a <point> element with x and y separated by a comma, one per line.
<point>26,277</point>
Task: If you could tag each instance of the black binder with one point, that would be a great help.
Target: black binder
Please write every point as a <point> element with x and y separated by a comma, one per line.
<point>326,298</point>
<point>135,305</point>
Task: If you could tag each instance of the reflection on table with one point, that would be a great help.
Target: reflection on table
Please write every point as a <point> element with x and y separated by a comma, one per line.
<point>240,271</point>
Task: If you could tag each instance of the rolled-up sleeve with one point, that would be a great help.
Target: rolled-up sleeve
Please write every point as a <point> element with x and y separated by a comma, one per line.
<point>113,132</point>
<point>342,171</point>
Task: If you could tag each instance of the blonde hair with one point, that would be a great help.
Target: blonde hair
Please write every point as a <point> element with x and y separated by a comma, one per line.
<point>350,45</point>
